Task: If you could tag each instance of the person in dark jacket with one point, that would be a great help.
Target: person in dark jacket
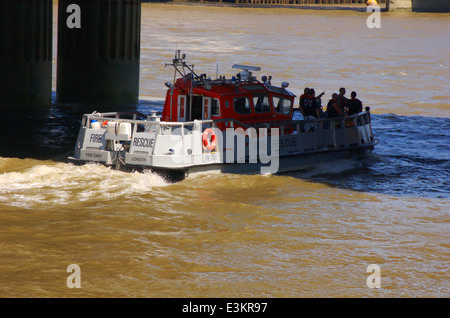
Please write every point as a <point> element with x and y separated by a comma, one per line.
<point>333,109</point>
<point>342,100</point>
<point>354,105</point>
<point>302,100</point>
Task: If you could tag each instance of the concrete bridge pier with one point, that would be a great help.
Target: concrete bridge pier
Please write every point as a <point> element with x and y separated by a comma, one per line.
<point>98,53</point>
<point>25,54</point>
<point>419,5</point>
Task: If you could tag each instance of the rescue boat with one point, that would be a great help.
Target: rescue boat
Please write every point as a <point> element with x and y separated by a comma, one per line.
<point>229,125</point>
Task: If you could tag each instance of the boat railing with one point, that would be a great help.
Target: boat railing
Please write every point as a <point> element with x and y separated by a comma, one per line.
<point>321,124</point>
<point>326,133</point>
<point>151,125</point>
<point>298,126</point>
<point>163,127</point>
<point>314,135</point>
<point>232,123</point>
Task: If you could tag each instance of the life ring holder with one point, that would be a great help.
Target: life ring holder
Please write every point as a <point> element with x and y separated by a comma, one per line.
<point>209,139</point>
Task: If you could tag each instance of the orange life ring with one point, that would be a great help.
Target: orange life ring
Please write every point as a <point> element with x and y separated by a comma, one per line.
<point>209,143</point>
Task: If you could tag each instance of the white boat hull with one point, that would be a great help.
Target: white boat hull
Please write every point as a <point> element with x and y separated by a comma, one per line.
<point>180,149</point>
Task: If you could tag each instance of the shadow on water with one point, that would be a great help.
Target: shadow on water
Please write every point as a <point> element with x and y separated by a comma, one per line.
<point>49,134</point>
<point>412,158</point>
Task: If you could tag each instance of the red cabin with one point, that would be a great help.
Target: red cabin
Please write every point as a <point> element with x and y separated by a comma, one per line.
<point>242,98</point>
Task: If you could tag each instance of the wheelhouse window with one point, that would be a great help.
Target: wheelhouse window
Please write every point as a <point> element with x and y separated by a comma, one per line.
<point>261,104</point>
<point>282,105</point>
<point>215,107</point>
<point>242,105</point>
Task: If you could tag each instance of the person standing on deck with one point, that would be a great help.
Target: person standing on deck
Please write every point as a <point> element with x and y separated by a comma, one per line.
<point>311,108</point>
<point>333,109</point>
<point>312,93</point>
<point>310,112</point>
<point>302,100</point>
<point>354,105</point>
<point>342,100</point>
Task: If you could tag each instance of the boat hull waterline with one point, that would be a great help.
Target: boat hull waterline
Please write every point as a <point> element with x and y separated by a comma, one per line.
<point>178,150</point>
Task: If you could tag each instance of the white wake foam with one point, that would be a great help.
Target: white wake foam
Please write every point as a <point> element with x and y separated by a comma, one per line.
<point>62,183</point>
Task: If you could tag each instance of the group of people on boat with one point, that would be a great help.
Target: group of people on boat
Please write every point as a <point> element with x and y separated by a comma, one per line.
<point>310,105</point>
